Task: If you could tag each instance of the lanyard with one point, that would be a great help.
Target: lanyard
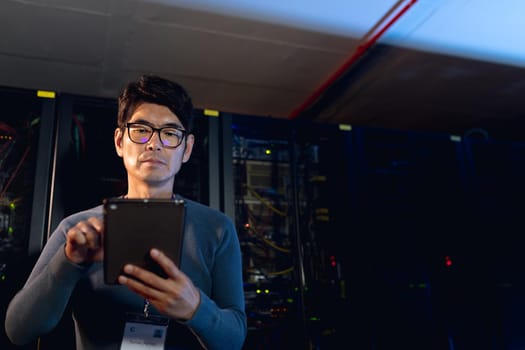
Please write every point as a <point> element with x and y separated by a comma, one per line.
<point>146,308</point>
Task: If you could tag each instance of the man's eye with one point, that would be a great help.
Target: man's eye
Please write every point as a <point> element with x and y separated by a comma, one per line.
<point>141,130</point>
<point>171,133</point>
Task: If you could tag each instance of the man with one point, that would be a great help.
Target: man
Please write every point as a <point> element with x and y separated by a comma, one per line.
<point>200,305</point>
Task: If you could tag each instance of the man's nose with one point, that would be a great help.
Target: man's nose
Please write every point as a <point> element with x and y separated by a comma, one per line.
<point>155,141</point>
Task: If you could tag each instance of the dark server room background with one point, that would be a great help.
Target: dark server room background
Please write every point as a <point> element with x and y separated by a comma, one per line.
<point>352,237</point>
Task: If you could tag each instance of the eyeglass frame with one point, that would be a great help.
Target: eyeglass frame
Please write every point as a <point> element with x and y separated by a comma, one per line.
<point>158,130</point>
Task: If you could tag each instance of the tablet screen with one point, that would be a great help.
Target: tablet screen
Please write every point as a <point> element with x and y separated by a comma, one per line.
<point>133,226</point>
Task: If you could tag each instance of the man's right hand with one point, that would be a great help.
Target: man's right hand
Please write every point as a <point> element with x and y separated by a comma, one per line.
<point>84,241</point>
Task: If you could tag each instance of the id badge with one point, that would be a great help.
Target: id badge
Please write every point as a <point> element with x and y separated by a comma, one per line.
<point>144,333</point>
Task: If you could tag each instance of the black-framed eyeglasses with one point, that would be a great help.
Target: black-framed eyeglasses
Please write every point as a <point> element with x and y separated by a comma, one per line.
<point>170,136</point>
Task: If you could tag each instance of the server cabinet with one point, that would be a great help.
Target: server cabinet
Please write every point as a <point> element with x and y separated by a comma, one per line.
<point>86,167</point>
<point>496,169</point>
<point>412,215</point>
<point>264,197</point>
<point>294,210</point>
<point>326,216</point>
<point>26,147</point>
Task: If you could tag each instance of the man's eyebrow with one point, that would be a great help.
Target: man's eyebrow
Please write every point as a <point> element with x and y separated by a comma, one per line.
<point>167,125</point>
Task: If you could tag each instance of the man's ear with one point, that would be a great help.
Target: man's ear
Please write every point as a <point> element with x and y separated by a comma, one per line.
<point>118,141</point>
<point>190,140</point>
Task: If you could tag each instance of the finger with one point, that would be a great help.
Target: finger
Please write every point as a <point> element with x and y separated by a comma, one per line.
<point>146,277</point>
<point>92,240</point>
<point>96,223</point>
<point>91,230</point>
<point>85,237</point>
<point>75,245</point>
<point>76,236</point>
<point>142,281</point>
<point>166,263</point>
<point>138,287</point>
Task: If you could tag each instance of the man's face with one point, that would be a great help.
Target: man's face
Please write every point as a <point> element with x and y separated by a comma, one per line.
<point>152,163</point>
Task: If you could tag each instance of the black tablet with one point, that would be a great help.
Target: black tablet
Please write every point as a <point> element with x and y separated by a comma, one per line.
<point>133,226</point>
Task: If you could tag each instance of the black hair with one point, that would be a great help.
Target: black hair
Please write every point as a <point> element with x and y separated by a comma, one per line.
<point>154,89</point>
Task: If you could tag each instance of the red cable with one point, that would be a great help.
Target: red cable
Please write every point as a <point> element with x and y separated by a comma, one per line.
<point>81,134</point>
<point>360,51</point>
<point>11,178</point>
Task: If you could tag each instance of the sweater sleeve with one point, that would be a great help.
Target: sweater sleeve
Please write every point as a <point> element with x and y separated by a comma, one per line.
<point>38,307</point>
<point>220,320</point>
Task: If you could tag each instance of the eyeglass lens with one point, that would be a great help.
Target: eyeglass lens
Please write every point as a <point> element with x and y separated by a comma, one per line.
<point>141,133</point>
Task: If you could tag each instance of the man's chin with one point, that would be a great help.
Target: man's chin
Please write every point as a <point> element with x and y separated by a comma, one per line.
<point>157,179</point>
<point>154,177</point>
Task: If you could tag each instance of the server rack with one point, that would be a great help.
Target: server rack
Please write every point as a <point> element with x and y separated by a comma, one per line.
<point>26,148</point>
<point>287,197</point>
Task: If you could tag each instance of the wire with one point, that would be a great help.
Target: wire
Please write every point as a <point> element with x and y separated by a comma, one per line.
<point>81,134</point>
<point>275,246</point>
<point>282,272</point>
<point>258,235</point>
<point>4,190</point>
<point>7,128</point>
<point>265,202</point>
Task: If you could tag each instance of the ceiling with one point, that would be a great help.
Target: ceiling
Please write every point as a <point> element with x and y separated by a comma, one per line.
<point>386,64</point>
